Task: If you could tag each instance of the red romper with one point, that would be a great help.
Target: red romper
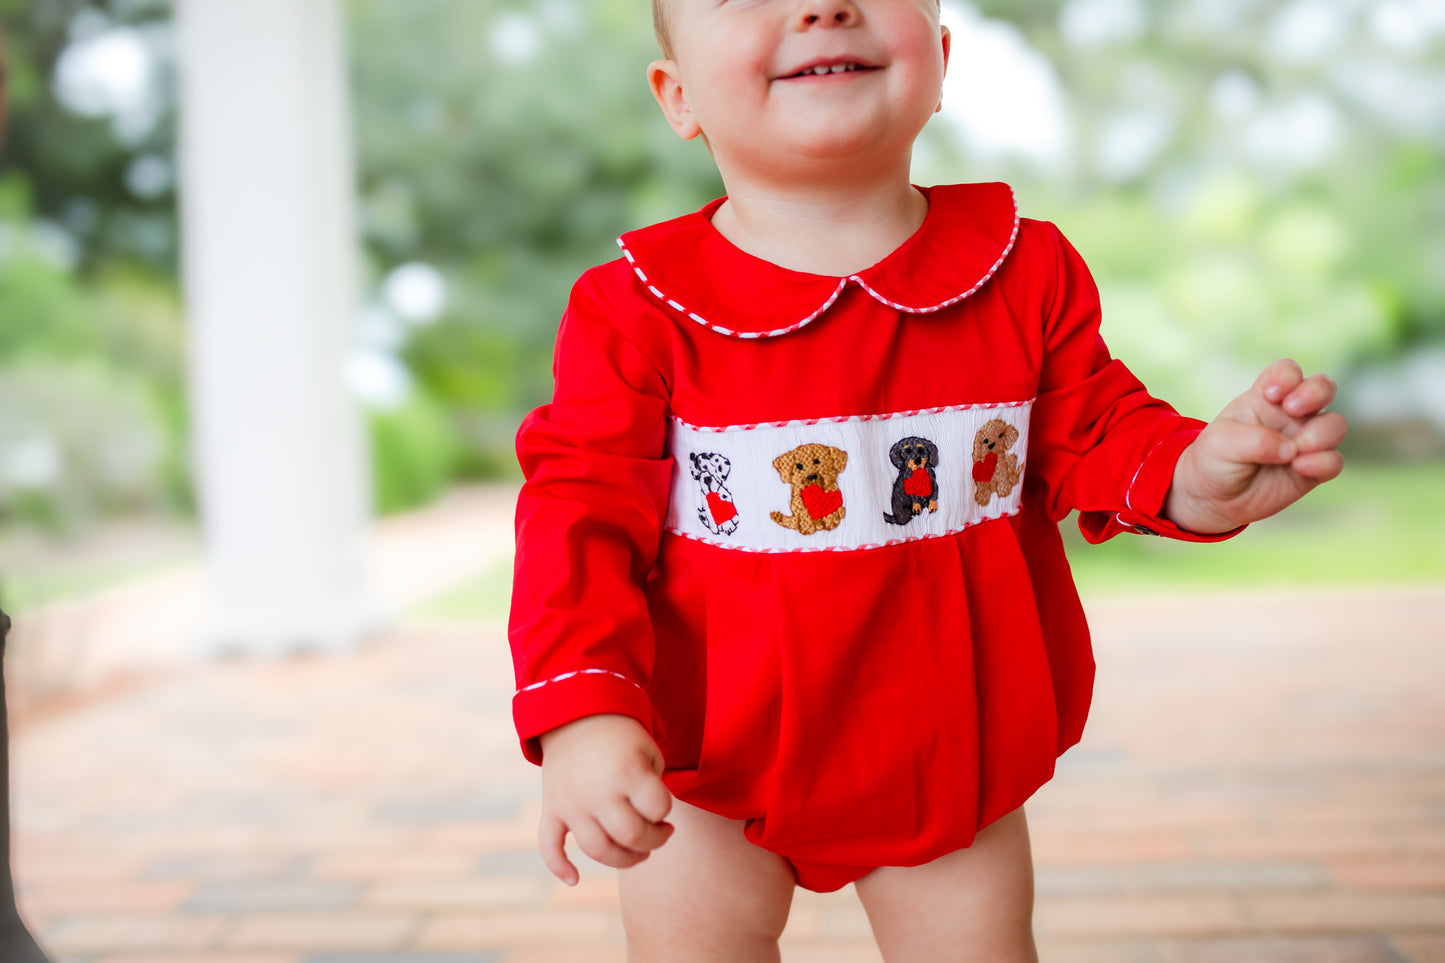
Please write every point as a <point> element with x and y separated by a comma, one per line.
<point>804,528</point>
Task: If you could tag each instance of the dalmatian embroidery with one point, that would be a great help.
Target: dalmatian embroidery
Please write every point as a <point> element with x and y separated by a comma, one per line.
<point>995,472</point>
<point>817,502</point>
<point>916,486</point>
<point>718,513</point>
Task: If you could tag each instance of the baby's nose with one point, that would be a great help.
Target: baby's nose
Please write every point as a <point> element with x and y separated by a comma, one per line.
<point>828,13</point>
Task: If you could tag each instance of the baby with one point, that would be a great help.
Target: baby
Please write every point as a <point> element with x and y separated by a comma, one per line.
<point>791,605</point>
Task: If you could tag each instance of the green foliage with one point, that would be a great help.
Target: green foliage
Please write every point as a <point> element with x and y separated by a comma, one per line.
<point>78,438</point>
<point>1226,248</point>
<point>413,453</point>
<point>77,164</point>
<point>1238,280</point>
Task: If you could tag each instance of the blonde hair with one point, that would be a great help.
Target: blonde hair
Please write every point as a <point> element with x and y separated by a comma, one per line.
<point>659,27</point>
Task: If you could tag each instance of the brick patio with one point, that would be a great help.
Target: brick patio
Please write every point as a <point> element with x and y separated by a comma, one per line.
<point>1262,779</point>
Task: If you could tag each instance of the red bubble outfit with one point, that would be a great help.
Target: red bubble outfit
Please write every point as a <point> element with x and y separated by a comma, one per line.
<point>804,528</point>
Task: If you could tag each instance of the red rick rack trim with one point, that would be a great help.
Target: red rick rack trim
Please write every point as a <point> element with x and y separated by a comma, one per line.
<point>842,283</point>
<point>842,418</point>
<point>568,675</point>
<point>839,548</point>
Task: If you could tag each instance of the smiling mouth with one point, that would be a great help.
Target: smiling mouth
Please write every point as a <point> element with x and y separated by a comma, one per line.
<point>823,70</point>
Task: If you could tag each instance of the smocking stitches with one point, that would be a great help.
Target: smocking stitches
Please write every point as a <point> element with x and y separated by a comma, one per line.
<point>843,418</point>
<point>843,283</point>
<point>840,548</point>
<point>568,675</point>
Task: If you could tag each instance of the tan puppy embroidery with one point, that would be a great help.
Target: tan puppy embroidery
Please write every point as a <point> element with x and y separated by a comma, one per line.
<point>994,471</point>
<point>817,503</point>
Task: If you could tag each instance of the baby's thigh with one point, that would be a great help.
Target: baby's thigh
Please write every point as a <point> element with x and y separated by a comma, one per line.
<point>706,894</point>
<point>974,903</point>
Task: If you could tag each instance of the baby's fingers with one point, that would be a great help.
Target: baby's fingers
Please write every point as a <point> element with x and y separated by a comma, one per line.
<point>1319,466</point>
<point>651,799</point>
<point>1244,443</point>
<point>1321,432</point>
<point>596,843</point>
<point>630,831</point>
<point>1309,396</point>
<point>1279,379</point>
<point>551,836</point>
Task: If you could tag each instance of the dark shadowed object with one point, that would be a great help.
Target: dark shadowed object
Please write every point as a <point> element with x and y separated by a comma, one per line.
<point>16,943</point>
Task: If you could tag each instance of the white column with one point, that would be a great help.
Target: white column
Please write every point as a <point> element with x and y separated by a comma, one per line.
<point>269,252</point>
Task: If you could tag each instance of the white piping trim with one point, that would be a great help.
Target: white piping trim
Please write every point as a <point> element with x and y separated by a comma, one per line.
<point>842,283</point>
<point>1013,237</point>
<point>844,418</point>
<point>1129,492</point>
<point>568,675</point>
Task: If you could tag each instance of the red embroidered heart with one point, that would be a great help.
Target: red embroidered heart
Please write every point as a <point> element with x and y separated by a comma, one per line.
<point>820,503</point>
<point>917,484</point>
<point>983,470</point>
<point>722,510</point>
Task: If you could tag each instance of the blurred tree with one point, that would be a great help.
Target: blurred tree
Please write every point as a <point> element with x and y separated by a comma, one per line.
<point>92,124</point>
<point>1250,178</point>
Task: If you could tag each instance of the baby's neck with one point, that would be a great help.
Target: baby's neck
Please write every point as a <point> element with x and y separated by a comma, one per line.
<point>826,230</point>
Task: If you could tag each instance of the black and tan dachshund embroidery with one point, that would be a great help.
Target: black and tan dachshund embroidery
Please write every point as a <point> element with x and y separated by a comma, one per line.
<point>717,512</point>
<point>995,472</point>
<point>817,502</point>
<point>916,485</point>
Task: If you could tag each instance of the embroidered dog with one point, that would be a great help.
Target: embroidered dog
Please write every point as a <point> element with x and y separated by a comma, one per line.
<point>916,484</point>
<point>817,503</point>
<point>717,512</point>
<point>995,472</point>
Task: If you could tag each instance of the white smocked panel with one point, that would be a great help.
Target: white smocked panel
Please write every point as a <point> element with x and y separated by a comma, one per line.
<point>755,489</point>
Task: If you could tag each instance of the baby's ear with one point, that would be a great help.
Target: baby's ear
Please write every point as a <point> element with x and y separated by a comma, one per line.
<point>665,80</point>
<point>947,40</point>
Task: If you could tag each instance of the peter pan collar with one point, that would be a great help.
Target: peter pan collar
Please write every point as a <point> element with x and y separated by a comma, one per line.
<point>686,264</point>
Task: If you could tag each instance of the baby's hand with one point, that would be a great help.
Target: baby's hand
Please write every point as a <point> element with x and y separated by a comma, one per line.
<point>601,779</point>
<point>1267,448</point>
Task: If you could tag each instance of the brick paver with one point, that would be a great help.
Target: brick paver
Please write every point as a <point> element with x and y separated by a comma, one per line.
<point>1262,779</point>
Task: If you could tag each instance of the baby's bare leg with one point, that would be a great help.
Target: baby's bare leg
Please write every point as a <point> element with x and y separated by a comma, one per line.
<point>973,904</point>
<point>705,895</point>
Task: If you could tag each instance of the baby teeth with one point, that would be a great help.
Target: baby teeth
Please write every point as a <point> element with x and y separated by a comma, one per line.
<point>835,69</point>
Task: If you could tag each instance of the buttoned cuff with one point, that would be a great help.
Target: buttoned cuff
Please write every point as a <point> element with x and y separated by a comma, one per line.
<point>1144,499</point>
<point>564,698</point>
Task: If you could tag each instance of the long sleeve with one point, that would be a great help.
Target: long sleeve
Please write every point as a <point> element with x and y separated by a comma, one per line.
<point>1098,440</point>
<point>588,525</point>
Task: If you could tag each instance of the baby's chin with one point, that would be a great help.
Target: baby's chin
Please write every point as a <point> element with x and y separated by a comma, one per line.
<point>853,143</point>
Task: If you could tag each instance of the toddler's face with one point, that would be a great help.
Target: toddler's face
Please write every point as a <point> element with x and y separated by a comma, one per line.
<point>775,84</point>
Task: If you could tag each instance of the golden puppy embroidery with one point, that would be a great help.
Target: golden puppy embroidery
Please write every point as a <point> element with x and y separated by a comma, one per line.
<point>995,472</point>
<point>812,471</point>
